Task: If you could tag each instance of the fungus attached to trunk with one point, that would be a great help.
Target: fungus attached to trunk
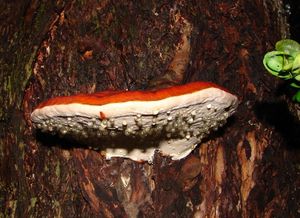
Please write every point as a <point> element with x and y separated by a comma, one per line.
<point>135,124</point>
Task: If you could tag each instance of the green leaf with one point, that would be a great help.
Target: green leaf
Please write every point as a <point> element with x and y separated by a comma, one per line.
<point>279,64</point>
<point>295,83</point>
<point>288,46</point>
<point>297,97</point>
<point>285,63</point>
<point>296,67</point>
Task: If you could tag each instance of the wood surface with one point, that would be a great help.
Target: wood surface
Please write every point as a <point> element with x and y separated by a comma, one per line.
<point>249,168</point>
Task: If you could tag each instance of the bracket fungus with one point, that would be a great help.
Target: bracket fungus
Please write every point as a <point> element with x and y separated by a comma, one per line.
<point>135,124</point>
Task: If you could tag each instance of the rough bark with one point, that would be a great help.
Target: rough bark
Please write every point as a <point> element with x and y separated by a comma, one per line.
<point>249,168</point>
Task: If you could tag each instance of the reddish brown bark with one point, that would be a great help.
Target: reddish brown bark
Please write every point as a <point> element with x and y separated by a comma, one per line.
<point>249,168</point>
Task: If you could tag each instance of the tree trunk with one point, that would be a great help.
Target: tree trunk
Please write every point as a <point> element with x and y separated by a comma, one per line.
<point>250,168</point>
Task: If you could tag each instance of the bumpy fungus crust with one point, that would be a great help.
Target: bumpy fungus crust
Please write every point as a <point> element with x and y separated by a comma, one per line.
<point>135,124</point>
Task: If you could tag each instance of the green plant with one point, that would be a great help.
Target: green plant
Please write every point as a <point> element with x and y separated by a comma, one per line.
<point>284,63</point>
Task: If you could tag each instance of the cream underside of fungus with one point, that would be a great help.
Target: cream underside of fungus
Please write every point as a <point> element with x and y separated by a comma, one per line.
<point>136,129</point>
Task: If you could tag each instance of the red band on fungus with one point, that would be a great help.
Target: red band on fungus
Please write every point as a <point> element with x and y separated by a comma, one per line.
<point>107,97</point>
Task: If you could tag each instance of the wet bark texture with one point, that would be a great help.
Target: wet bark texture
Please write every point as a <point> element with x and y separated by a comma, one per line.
<point>249,168</point>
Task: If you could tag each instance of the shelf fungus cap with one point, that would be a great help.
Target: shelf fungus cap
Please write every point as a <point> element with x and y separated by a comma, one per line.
<point>135,124</point>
